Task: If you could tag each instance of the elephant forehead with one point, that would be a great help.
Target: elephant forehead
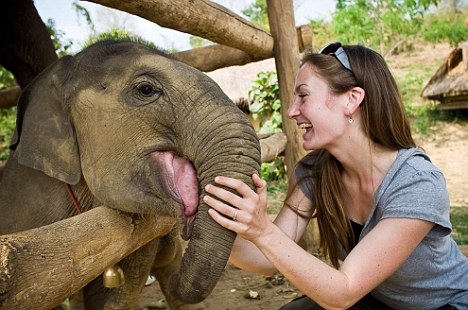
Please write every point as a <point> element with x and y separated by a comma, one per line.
<point>171,68</point>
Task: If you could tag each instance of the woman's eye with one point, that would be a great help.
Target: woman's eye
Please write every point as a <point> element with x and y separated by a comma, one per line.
<point>148,90</point>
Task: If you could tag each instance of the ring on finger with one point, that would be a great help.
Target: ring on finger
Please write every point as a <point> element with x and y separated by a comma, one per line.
<point>234,217</point>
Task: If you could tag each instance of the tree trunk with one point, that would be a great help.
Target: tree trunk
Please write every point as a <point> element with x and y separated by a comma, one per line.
<point>281,17</point>
<point>39,268</point>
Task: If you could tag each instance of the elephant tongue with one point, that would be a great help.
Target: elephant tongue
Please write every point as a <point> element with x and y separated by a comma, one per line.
<point>181,180</point>
<point>186,183</point>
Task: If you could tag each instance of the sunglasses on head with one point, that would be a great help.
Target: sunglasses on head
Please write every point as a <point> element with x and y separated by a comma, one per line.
<point>335,49</point>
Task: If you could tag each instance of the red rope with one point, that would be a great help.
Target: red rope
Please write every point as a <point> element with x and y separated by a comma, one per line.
<point>75,203</point>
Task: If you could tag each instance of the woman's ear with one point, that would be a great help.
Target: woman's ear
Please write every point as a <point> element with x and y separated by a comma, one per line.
<point>355,97</point>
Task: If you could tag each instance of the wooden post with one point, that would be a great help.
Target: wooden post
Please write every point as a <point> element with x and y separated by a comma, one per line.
<point>286,49</point>
<point>39,268</point>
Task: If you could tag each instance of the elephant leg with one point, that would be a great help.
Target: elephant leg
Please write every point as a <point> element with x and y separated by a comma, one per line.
<point>166,263</point>
<point>136,268</point>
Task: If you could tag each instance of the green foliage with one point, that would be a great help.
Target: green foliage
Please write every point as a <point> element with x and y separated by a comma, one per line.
<point>459,219</point>
<point>273,171</point>
<point>117,34</point>
<point>7,79</point>
<point>265,104</point>
<point>61,45</point>
<point>265,107</point>
<point>446,26</point>
<point>423,115</point>
<point>322,30</point>
<point>276,192</point>
<point>379,24</point>
<point>257,13</point>
<point>7,126</point>
<point>196,42</point>
<point>83,12</point>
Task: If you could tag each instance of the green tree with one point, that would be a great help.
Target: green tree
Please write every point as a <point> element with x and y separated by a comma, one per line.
<point>62,46</point>
<point>257,13</point>
<point>446,25</point>
<point>322,30</point>
<point>379,24</point>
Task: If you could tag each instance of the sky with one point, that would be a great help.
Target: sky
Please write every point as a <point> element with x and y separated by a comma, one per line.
<point>75,27</point>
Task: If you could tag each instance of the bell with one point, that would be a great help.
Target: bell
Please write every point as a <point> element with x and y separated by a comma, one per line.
<point>113,277</point>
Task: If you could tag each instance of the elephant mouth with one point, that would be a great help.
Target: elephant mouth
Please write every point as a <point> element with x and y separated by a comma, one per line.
<point>179,178</point>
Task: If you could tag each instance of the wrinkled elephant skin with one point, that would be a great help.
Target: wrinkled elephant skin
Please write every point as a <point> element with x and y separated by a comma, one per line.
<point>130,128</point>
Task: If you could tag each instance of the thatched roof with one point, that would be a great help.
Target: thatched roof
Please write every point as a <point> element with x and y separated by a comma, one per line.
<point>236,81</point>
<point>449,85</point>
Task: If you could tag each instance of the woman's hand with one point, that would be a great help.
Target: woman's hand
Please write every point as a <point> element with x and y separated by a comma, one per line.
<point>244,213</point>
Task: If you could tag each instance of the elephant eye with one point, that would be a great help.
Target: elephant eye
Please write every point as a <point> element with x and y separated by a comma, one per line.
<point>148,90</point>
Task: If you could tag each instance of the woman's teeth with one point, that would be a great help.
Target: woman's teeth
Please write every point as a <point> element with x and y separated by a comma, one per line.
<point>305,125</point>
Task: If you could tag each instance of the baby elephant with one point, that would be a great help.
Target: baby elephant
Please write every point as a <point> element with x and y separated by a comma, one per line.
<point>126,126</point>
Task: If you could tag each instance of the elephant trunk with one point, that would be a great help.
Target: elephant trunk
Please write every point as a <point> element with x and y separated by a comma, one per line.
<point>230,149</point>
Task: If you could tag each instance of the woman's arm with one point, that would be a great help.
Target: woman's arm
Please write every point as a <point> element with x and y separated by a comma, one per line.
<point>375,258</point>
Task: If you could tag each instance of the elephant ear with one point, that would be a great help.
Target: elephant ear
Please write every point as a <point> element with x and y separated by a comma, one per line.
<point>44,138</point>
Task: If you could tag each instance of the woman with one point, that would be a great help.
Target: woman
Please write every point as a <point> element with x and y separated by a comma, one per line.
<point>381,206</point>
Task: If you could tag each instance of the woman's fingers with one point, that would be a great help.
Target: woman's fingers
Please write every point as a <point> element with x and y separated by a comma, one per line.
<point>259,182</point>
<point>224,195</point>
<point>223,214</point>
<point>261,186</point>
<point>243,189</point>
<point>220,206</point>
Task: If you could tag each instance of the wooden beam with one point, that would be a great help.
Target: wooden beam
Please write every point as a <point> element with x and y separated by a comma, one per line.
<point>9,97</point>
<point>217,56</point>
<point>202,18</point>
<point>41,267</point>
<point>214,57</point>
<point>281,19</point>
<point>272,146</point>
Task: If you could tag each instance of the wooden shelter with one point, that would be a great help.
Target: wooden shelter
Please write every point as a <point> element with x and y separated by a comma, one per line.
<point>449,85</point>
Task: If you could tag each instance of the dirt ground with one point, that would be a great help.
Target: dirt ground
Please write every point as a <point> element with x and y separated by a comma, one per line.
<point>448,149</point>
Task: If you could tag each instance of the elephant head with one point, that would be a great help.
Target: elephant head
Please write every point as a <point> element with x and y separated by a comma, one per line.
<point>146,133</point>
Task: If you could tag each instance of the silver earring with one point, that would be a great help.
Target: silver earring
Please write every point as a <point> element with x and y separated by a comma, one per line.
<point>350,120</point>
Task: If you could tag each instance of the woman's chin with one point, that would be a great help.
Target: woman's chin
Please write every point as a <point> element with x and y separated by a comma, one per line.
<point>308,146</point>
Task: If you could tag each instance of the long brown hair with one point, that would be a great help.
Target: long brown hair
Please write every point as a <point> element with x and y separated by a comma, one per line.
<point>384,121</point>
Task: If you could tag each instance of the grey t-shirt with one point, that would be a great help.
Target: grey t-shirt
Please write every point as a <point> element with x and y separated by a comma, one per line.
<point>436,273</point>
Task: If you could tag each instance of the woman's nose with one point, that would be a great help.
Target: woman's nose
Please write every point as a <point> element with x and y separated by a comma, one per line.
<point>293,111</point>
